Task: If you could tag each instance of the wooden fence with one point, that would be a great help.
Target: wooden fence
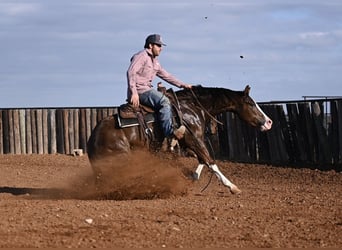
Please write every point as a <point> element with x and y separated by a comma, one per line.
<point>48,131</point>
<point>302,132</point>
<point>307,132</point>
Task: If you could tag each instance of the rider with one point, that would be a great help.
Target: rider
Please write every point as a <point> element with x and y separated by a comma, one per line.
<point>143,68</point>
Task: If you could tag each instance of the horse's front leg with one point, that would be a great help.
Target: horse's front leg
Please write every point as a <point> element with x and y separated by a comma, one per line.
<point>232,187</point>
<point>203,156</point>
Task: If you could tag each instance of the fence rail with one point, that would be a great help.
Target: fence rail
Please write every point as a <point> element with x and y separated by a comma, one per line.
<point>307,131</point>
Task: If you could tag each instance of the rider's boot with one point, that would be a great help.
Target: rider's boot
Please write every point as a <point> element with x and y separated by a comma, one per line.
<point>172,141</point>
<point>179,132</point>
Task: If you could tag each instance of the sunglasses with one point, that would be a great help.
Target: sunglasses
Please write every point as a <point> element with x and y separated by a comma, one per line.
<point>158,45</point>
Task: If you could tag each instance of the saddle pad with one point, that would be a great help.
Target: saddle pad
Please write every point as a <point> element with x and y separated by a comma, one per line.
<point>130,122</point>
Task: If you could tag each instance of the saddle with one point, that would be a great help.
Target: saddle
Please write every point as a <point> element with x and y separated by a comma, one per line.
<point>129,116</point>
<point>127,110</point>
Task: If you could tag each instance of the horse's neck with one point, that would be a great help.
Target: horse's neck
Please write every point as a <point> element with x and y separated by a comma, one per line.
<point>216,102</point>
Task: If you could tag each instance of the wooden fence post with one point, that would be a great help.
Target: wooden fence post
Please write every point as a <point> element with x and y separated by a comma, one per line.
<point>83,139</point>
<point>71,135</point>
<point>93,119</point>
<point>1,134</point>
<point>40,131</point>
<point>22,129</point>
<point>66,131</point>
<point>34,132</point>
<point>59,131</point>
<point>322,143</point>
<point>77,128</point>
<point>45,131</point>
<point>28,131</point>
<point>52,131</point>
<point>88,123</point>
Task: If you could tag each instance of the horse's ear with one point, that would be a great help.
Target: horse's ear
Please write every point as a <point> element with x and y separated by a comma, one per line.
<point>247,89</point>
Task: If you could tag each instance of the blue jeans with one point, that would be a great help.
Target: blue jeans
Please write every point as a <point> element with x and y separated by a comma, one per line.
<point>161,105</point>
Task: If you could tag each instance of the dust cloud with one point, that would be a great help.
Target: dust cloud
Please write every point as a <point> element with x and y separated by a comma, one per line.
<point>140,175</point>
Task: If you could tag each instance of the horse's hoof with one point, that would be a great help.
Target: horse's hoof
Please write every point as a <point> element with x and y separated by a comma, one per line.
<point>195,176</point>
<point>235,190</point>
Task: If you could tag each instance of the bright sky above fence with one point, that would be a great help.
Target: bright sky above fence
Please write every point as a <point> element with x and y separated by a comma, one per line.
<point>75,53</point>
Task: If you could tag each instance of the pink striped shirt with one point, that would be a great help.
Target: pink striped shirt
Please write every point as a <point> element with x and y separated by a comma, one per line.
<point>142,70</point>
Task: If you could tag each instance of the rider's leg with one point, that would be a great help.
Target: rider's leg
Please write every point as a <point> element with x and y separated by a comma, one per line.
<point>161,104</point>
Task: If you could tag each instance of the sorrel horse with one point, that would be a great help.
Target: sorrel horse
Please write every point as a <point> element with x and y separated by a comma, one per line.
<point>197,106</point>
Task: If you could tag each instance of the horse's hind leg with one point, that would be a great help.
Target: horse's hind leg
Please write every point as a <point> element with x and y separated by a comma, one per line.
<point>233,188</point>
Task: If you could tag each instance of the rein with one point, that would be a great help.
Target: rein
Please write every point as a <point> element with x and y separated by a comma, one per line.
<point>204,109</point>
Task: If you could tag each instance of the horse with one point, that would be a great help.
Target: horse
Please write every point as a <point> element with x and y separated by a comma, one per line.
<point>197,107</point>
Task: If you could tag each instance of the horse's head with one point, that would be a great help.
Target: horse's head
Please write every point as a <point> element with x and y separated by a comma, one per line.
<point>249,111</point>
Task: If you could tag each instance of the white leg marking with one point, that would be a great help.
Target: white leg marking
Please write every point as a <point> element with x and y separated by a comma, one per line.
<point>233,188</point>
<point>198,171</point>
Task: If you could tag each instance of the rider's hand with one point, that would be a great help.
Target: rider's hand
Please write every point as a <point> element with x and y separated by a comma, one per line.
<point>187,86</point>
<point>135,100</point>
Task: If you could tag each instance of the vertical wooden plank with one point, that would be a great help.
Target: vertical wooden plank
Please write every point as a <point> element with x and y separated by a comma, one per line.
<point>323,147</point>
<point>28,131</point>
<point>39,131</point>
<point>93,119</point>
<point>6,129</point>
<point>250,142</point>
<point>306,129</point>
<point>99,115</point>
<point>60,131</point>
<point>1,134</point>
<point>82,120</point>
<point>284,139</point>
<point>110,111</point>
<point>45,131</point>
<point>16,131</point>
<point>34,132</point>
<point>104,113</point>
<point>298,152</point>
<point>71,130</point>
<point>22,129</point>
<point>339,117</point>
<point>66,131</point>
<point>88,123</point>
<point>334,131</point>
<point>52,131</point>
<point>11,131</point>
<point>273,134</point>
<point>76,128</point>
<point>278,149</point>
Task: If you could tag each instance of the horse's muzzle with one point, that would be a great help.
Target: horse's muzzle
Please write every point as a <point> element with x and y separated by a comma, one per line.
<point>267,125</point>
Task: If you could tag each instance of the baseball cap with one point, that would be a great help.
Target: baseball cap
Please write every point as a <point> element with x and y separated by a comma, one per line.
<point>154,38</point>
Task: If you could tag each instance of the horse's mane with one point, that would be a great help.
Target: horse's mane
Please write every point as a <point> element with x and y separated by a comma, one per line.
<point>203,92</point>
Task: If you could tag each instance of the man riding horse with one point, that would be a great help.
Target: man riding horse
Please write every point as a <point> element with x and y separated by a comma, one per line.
<point>197,106</point>
<point>143,68</point>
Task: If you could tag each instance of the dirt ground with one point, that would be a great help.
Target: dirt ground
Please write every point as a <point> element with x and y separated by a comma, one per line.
<point>52,201</point>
